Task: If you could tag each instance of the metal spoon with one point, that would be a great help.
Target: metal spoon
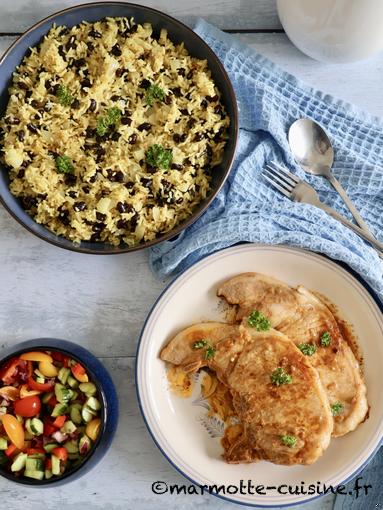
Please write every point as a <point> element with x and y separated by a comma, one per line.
<point>312,149</point>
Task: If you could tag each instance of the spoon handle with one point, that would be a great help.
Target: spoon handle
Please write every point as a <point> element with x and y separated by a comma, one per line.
<point>365,235</point>
<point>358,218</point>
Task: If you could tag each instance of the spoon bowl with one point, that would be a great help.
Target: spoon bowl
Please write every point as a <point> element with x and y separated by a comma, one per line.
<point>311,147</point>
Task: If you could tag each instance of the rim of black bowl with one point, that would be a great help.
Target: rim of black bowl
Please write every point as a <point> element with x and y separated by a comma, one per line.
<point>104,414</point>
<point>83,248</point>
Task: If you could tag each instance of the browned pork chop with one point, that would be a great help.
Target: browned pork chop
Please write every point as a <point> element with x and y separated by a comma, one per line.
<point>287,423</point>
<point>304,318</point>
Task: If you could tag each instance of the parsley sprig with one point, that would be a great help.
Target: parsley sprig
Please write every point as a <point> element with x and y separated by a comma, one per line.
<point>307,349</point>
<point>337,408</point>
<point>105,122</point>
<point>201,344</point>
<point>64,165</point>
<point>159,157</point>
<point>325,340</point>
<point>154,93</point>
<point>290,441</point>
<point>64,96</point>
<point>259,321</point>
<point>280,376</point>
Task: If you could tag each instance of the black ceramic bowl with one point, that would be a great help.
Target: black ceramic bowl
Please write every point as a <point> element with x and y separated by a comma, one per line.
<point>178,32</point>
<point>106,392</point>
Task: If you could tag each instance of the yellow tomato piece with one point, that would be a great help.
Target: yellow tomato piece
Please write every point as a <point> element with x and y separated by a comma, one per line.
<point>9,392</point>
<point>36,356</point>
<point>14,430</point>
<point>93,428</point>
<point>25,392</point>
<point>48,369</point>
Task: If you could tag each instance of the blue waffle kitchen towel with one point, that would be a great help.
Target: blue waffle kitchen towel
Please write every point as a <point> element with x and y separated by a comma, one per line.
<point>248,209</point>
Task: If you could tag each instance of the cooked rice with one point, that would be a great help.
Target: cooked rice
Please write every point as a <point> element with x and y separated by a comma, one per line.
<point>114,194</point>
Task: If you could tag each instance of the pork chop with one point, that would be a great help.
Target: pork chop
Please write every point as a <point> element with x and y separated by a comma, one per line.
<point>277,395</point>
<point>307,321</point>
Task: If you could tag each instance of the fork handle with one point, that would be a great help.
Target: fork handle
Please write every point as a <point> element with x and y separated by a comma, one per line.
<point>365,235</point>
<point>339,188</point>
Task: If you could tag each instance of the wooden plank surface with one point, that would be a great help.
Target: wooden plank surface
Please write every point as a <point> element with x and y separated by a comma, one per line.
<point>231,14</point>
<point>123,479</point>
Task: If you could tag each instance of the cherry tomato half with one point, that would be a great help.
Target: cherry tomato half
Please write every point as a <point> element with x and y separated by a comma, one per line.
<point>27,407</point>
<point>14,430</point>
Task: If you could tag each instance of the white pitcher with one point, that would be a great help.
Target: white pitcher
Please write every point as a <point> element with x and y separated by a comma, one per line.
<point>334,30</point>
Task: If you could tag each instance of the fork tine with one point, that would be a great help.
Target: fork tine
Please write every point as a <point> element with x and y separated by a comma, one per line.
<point>278,178</point>
<point>285,172</point>
<point>277,186</point>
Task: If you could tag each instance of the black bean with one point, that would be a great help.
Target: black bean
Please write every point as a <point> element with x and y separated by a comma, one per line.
<point>129,185</point>
<point>22,85</point>
<point>116,50</point>
<point>72,194</point>
<point>79,206</point>
<point>64,31</point>
<point>42,196</point>
<point>123,224</point>
<point>175,166</point>
<point>71,44</point>
<point>90,132</point>
<point>115,98</point>
<point>70,179</point>
<point>181,71</point>
<point>177,91</point>
<point>21,136</point>
<point>90,46</point>
<point>115,175</point>
<point>37,104</point>
<point>95,237</point>
<point>95,34</point>
<point>100,216</point>
<point>179,200</point>
<point>92,106</point>
<point>184,111</point>
<point>63,216</point>
<point>218,109</point>
<point>187,162</point>
<point>204,103</point>
<point>217,136</point>
<point>85,83</point>
<point>126,121</point>
<point>48,84</point>
<point>85,189</point>
<point>191,123</point>
<point>98,227</point>
<point>32,128</point>
<point>168,99</point>
<point>28,94</point>
<point>119,72</point>
<point>145,84</point>
<point>189,76</point>
<point>176,137</point>
<point>132,139</point>
<point>21,173</point>
<point>212,99</point>
<point>115,136</point>
<point>75,104</point>
<point>145,126</point>
<point>183,138</point>
<point>123,207</point>
<point>62,52</point>
<point>80,62</point>
<point>12,121</point>
<point>198,137</point>
<point>151,169</point>
<point>146,182</point>
<point>29,202</point>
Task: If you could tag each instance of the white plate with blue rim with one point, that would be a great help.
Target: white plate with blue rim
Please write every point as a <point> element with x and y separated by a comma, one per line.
<point>182,429</point>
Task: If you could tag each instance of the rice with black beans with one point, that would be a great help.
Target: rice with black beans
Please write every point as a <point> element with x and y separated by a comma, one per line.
<point>110,134</point>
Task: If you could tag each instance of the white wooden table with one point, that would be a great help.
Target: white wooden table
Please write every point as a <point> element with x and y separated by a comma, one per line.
<point>101,302</point>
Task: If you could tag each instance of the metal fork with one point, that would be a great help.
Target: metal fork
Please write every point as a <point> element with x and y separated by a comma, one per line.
<point>300,191</point>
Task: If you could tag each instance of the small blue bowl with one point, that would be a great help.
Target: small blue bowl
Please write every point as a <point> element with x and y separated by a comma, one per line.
<point>178,32</point>
<point>109,410</point>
